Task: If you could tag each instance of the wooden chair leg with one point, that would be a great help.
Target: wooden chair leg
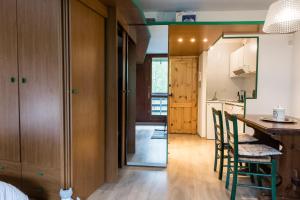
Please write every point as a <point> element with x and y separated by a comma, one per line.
<point>228,172</point>
<point>221,164</point>
<point>274,181</point>
<point>234,181</point>
<point>216,158</point>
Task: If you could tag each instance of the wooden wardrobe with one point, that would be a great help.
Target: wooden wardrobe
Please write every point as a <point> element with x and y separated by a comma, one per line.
<point>52,55</point>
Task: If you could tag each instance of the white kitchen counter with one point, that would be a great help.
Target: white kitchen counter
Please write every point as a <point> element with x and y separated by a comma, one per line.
<point>230,106</point>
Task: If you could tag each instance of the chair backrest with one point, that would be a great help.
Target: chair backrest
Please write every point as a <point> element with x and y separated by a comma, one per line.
<point>218,125</point>
<point>232,133</point>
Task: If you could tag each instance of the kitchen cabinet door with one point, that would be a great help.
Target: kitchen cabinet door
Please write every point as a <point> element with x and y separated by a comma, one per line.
<point>233,63</point>
<point>210,131</point>
<point>9,106</point>
<point>234,109</point>
<point>41,89</point>
<point>250,55</point>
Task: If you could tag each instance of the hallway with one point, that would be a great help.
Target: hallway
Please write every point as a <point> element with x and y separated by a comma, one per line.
<point>189,176</point>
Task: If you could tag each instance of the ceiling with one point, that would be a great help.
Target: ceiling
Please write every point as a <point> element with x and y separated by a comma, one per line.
<point>199,32</point>
<point>204,5</point>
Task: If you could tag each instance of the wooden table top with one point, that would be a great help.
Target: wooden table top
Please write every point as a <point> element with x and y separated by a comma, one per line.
<point>273,128</point>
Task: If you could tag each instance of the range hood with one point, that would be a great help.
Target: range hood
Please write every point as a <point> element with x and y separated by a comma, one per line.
<point>243,71</point>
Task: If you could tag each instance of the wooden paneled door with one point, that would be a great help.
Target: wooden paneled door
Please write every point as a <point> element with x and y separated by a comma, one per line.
<point>9,107</point>
<point>41,96</point>
<point>88,99</point>
<point>182,107</point>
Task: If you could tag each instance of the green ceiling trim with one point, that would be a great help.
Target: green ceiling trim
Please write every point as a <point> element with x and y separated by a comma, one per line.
<point>137,4</point>
<point>207,23</point>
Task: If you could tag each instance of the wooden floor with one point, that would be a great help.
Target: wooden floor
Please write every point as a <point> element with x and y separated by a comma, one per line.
<point>189,176</point>
<point>148,151</point>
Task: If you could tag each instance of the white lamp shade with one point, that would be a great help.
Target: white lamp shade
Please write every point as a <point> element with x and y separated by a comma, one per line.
<point>283,17</point>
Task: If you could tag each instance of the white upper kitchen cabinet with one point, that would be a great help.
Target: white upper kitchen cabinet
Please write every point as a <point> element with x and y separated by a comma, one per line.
<point>250,55</point>
<point>243,60</point>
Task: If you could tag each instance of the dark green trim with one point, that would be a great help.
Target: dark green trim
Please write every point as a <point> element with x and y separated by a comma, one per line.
<point>256,78</point>
<point>257,56</point>
<point>137,4</point>
<point>206,23</point>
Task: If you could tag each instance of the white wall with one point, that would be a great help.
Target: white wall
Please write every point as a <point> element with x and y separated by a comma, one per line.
<point>202,94</point>
<point>295,98</point>
<point>218,72</point>
<point>274,74</point>
<point>208,16</point>
<point>159,40</point>
<point>241,15</point>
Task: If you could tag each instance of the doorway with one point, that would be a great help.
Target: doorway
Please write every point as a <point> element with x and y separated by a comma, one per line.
<point>151,138</point>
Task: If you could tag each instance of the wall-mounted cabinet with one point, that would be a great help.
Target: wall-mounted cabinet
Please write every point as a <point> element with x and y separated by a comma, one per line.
<point>243,61</point>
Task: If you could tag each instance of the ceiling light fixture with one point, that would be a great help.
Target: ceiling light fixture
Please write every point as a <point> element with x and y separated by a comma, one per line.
<point>180,40</point>
<point>193,40</point>
<point>283,17</point>
<point>205,40</point>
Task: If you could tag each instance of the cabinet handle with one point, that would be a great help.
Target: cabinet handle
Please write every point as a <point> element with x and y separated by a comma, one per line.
<point>12,79</point>
<point>75,91</point>
<point>40,173</point>
<point>24,80</point>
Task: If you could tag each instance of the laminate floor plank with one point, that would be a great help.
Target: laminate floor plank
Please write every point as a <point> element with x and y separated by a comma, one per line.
<point>189,176</point>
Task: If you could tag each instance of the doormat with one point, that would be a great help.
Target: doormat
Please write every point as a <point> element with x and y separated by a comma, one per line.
<point>159,134</point>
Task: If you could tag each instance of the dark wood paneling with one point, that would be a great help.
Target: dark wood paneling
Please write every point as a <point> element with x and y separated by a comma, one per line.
<point>131,110</point>
<point>10,172</point>
<point>97,6</point>
<point>122,92</point>
<point>111,95</point>
<point>88,99</point>
<point>41,96</point>
<point>143,39</point>
<point>9,108</point>
<point>143,91</point>
<point>41,182</point>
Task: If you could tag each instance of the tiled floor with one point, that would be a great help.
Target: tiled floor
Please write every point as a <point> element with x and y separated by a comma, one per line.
<point>148,151</point>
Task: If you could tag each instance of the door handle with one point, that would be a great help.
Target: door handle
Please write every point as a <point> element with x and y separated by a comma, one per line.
<point>12,79</point>
<point>75,91</point>
<point>24,80</point>
<point>170,95</point>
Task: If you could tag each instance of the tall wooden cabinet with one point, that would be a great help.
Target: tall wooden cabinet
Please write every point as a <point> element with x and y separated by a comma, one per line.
<point>10,168</point>
<point>52,105</point>
<point>41,95</point>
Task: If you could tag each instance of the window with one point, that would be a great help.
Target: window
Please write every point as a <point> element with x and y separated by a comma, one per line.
<point>159,93</point>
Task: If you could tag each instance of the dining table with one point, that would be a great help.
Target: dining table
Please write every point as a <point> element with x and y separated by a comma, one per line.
<point>286,138</point>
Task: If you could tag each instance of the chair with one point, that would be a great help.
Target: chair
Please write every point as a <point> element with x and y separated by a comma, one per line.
<point>250,154</point>
<point>220,145</point>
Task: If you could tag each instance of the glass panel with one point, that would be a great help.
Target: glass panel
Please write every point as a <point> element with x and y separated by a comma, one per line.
<point>159,106</point>
<point>159,75</point>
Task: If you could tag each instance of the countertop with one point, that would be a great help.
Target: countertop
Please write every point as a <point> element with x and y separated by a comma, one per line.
<point>229,102</point>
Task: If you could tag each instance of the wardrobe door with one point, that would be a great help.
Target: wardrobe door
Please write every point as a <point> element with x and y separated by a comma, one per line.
<point>41,96</point>
<point>87,66</point>
<point>9,108</point>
